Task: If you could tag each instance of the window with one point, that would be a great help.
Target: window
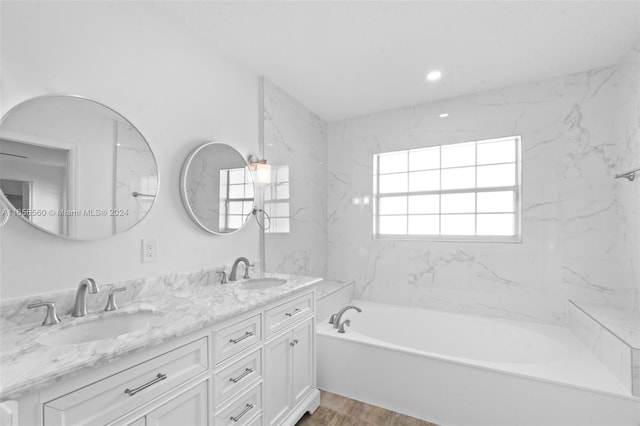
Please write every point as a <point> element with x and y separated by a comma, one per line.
<point>464,191</point>
<point>236,197</point>
<point>276,200</point>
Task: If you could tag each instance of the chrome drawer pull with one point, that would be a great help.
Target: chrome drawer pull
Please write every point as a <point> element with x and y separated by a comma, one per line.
<point>245,411</point>
<point>158,378</point>
<point>295,342</point>
<point>247,371</point>
<point>295,311</point>
<point>240,339</point>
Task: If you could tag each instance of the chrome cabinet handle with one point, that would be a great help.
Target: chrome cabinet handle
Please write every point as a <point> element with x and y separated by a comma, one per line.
<point>51,316</point>
<point>295,342</point>
<point>240,339</point>
<point>245,411</point>
<point>158,378</point>
<point>247,371</point>
<point>295,311</point>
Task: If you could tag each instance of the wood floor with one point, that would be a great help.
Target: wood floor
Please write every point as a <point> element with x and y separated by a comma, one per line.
<point>336,410</point>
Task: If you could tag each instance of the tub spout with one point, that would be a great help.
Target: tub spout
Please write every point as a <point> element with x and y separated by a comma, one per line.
<point>337,317</point>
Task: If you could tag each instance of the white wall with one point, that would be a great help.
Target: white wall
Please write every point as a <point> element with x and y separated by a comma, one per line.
<point>573,215</point>
<point>175,89</point>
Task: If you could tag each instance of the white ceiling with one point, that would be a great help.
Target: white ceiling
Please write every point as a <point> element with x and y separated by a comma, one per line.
<point>343,59</point>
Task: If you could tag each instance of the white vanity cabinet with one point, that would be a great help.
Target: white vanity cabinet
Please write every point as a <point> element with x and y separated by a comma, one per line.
<point>289,359</point>
<point>290,374</point>
<point>254,369</point>
<point>104,401</point>
<point>185,407</point>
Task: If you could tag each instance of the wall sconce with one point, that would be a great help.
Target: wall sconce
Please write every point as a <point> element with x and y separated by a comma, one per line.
<point>261,170</point>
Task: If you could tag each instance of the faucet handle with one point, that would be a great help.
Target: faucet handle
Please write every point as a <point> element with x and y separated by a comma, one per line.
<point>223,280</point>
<point>246,271</point>
<point>332,319</point>
<point>344,323</point>
<point>52,316</point>
<point>111,300</point>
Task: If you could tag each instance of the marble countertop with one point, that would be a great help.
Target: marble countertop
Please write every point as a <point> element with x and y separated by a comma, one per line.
<point>27,366</point>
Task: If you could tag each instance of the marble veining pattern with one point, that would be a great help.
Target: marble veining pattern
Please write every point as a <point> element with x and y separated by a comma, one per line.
<point>580,227</point>
<point>297,137</point>
<point>188,302</point>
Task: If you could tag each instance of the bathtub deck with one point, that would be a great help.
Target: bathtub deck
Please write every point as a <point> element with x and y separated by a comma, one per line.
<point>336,410</point>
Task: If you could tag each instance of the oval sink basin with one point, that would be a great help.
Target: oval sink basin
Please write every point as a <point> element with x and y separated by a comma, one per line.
<point>100,329</point>
<point>261,283</point>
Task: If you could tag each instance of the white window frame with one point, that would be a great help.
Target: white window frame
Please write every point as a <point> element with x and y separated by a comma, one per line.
<point>273,197</point>
<point>226,199</point>
<point>516,188</point>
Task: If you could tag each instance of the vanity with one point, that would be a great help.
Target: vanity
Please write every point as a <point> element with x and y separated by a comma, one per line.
<point>195,348</point>
<point>232,354</point>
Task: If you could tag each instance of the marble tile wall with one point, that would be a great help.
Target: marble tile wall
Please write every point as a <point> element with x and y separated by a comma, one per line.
<point>296,137</point>
<point>615,354</point>
<point>578,222</point>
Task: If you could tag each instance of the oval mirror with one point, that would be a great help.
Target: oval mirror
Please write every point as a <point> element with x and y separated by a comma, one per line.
<point>217,188</point>
<point>75,168</point>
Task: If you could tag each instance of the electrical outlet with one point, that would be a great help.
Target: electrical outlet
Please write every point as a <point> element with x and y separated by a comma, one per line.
<point>149,250</point>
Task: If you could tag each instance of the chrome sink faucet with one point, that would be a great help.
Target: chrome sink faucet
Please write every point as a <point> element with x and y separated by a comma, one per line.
<point>87,284</point>
<point>234,268</point>
<point>337,318</point>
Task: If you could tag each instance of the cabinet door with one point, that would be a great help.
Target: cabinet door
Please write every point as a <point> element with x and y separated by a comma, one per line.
<point>187,408</point>
<point>303,352</point>
<point>277,395</point>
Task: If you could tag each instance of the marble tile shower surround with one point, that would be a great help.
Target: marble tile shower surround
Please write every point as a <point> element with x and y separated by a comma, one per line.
<point>14,312</point>
<point>613,336</point>
<point>580,226</point>
<point>295,136</point>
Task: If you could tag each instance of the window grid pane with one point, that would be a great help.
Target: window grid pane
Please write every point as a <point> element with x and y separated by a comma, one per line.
<point>276,202</point>
<point>473,193</point>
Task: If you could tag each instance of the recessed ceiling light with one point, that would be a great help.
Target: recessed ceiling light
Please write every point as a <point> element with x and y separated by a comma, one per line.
<point>444,115</point>
<point>434,75</point>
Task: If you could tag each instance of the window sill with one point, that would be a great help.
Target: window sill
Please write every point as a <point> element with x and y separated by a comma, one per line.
<point>450,238</point>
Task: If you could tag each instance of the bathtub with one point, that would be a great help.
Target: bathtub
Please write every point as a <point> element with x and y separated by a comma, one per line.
<point>454,369</point>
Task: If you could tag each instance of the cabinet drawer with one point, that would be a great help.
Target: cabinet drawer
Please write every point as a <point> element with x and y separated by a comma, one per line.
<point>236,377</point>
<point>116,395</point>
<point>286,314</point>
<point>243,410</point>
<point>235,338</point>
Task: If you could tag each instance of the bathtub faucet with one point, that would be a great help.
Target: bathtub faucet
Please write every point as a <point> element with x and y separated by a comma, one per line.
<point>337,317</point>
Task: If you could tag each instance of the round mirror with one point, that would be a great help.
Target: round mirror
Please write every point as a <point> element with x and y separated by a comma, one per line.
<point>217,188</point>
<point>75,168</point>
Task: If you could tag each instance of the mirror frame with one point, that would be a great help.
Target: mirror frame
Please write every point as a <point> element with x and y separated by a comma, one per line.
<point>183,187</point>
<point>4,199</point>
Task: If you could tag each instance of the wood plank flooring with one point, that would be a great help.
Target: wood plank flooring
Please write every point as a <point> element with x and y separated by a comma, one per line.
<point>336,410</point>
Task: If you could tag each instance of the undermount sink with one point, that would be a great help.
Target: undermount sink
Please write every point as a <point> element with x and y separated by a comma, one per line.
<point>261,283</point>
<point>100,329</point>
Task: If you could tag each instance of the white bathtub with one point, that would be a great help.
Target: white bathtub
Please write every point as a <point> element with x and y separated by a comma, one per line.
<point>455,369</point>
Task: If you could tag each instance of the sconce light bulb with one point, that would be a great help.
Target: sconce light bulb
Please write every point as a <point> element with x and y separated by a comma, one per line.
<point>263,172</point>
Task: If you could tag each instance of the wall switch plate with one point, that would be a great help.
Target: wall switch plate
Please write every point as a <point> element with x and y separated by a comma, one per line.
<point>149,250</point>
